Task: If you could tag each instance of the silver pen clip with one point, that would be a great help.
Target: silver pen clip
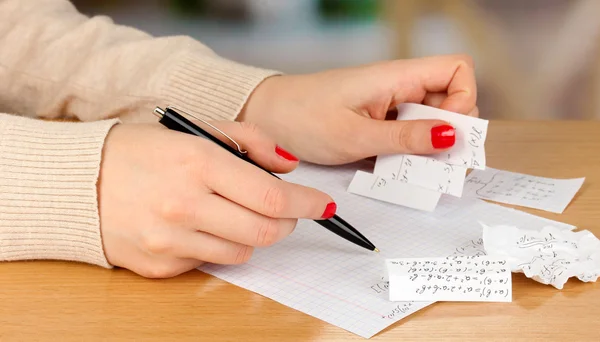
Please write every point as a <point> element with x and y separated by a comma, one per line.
<point>161,112</point>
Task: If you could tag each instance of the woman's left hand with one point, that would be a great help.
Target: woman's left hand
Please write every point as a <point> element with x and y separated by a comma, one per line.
<point>338,116</point>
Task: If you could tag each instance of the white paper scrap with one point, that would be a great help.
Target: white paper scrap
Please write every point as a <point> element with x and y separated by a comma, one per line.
<point>550,256</point>
<point>471,133</point>
<point>422,171</point>
<point>548,194</point>
<point>455,278</point>
<point>393,191</point>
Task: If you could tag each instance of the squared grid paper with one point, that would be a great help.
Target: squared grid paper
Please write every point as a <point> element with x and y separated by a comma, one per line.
<point>318,273</point>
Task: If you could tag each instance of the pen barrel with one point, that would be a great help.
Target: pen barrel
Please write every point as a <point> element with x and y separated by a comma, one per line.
<point>176,122</point>
<point>341,228</point>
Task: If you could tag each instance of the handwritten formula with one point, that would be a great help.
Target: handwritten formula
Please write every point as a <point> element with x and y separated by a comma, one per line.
<point>393,191</point>
<point>455,278</point>
<point>471,248</point>
<point>470,132</point>
<point>515,188</point>
<point>550,256</point>
<point>522,187</point>
<point>423,171</point>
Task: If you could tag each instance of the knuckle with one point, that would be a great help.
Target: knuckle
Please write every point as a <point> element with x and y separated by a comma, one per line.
<point>274,201</point>
<point>191,156</point>
<point>155,242</point>
<point>243,255</point>
<point>403,135</point>
<point>198,164</point>
<point>174,209</point>
<point>192,160</point>
<point>267,232</point>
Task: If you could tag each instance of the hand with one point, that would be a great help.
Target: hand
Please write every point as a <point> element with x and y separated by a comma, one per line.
<point>170,201</point>
<point>337,116</point>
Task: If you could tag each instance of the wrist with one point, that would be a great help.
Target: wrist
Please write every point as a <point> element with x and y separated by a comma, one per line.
<point>259,103</point>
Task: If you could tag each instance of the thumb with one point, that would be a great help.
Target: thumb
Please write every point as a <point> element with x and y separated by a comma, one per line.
<point>260,148</point>
<point>408,136</point>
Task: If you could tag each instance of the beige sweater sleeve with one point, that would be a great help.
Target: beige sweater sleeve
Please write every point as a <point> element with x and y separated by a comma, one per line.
<point>56,63</point>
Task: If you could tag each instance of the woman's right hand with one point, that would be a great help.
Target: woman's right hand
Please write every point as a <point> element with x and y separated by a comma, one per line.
<point>171,201</point>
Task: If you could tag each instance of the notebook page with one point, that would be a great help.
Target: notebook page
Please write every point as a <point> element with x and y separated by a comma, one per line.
<point>320,274</point>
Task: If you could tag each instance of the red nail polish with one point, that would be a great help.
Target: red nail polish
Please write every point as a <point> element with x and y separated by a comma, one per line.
<point>329,210</point>
<point>443,136</point>
<point>285,154</point>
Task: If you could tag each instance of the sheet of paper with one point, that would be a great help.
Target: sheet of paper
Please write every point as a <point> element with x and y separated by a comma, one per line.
<point>454,278</point>
<point>542,193</point>
<point>316,272</point>
<point>393,191</point>
<point>550,256</point>
<point>425,172</point>
<point>471,133</point>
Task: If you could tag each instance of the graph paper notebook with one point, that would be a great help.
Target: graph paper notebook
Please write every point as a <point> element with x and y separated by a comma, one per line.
<point>322,275</point>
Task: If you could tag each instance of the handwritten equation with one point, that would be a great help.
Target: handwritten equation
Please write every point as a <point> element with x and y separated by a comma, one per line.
<point>471,153</point>
<point>455,278</point>
<point>550,256</point>
<point>470,133</point>
<point>423,171</point>
<point>381,287</point>
<point>393,191</point>
<point>471,248</point>
<point>519,189</point>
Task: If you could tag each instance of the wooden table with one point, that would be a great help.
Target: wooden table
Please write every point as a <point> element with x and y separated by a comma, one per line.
<point>67,301</point>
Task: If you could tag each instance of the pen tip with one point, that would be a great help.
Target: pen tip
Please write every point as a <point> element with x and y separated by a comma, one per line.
<point>376,250</point>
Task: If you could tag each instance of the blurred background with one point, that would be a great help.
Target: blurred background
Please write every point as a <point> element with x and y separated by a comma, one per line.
<point>535,59</point>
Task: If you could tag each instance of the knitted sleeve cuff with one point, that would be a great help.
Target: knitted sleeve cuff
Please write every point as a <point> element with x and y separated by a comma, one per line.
<point>212,86</point>
<point>48,195</point>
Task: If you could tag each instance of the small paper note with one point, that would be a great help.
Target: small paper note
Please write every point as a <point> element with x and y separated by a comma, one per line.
<point>468,150</point>
<point>455,278</point>
<point>550,256</point>
<point>422,171</point>
<point>542,193</point>
<point>393,191</point>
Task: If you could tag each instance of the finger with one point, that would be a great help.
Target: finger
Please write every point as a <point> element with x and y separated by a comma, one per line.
<point>201,246</point>
<point>434,99</point>
<point>474,113</point>
<point>232,222</point>
<point>405,136</point>
<point>261,149</point>
<point>210,248</point>
<point>453,75</point>
<point>255,189</point>
<point>437,100</point>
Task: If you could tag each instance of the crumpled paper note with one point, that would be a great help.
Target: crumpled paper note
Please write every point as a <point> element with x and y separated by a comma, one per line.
<point>550,256</point>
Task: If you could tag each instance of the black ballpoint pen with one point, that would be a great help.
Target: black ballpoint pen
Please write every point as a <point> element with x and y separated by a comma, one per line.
<point>175,121</point>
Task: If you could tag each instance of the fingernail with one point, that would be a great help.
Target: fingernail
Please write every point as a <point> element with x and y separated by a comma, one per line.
<point>443,136</point>
<point>285,154</point>
<point>329,210</point>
